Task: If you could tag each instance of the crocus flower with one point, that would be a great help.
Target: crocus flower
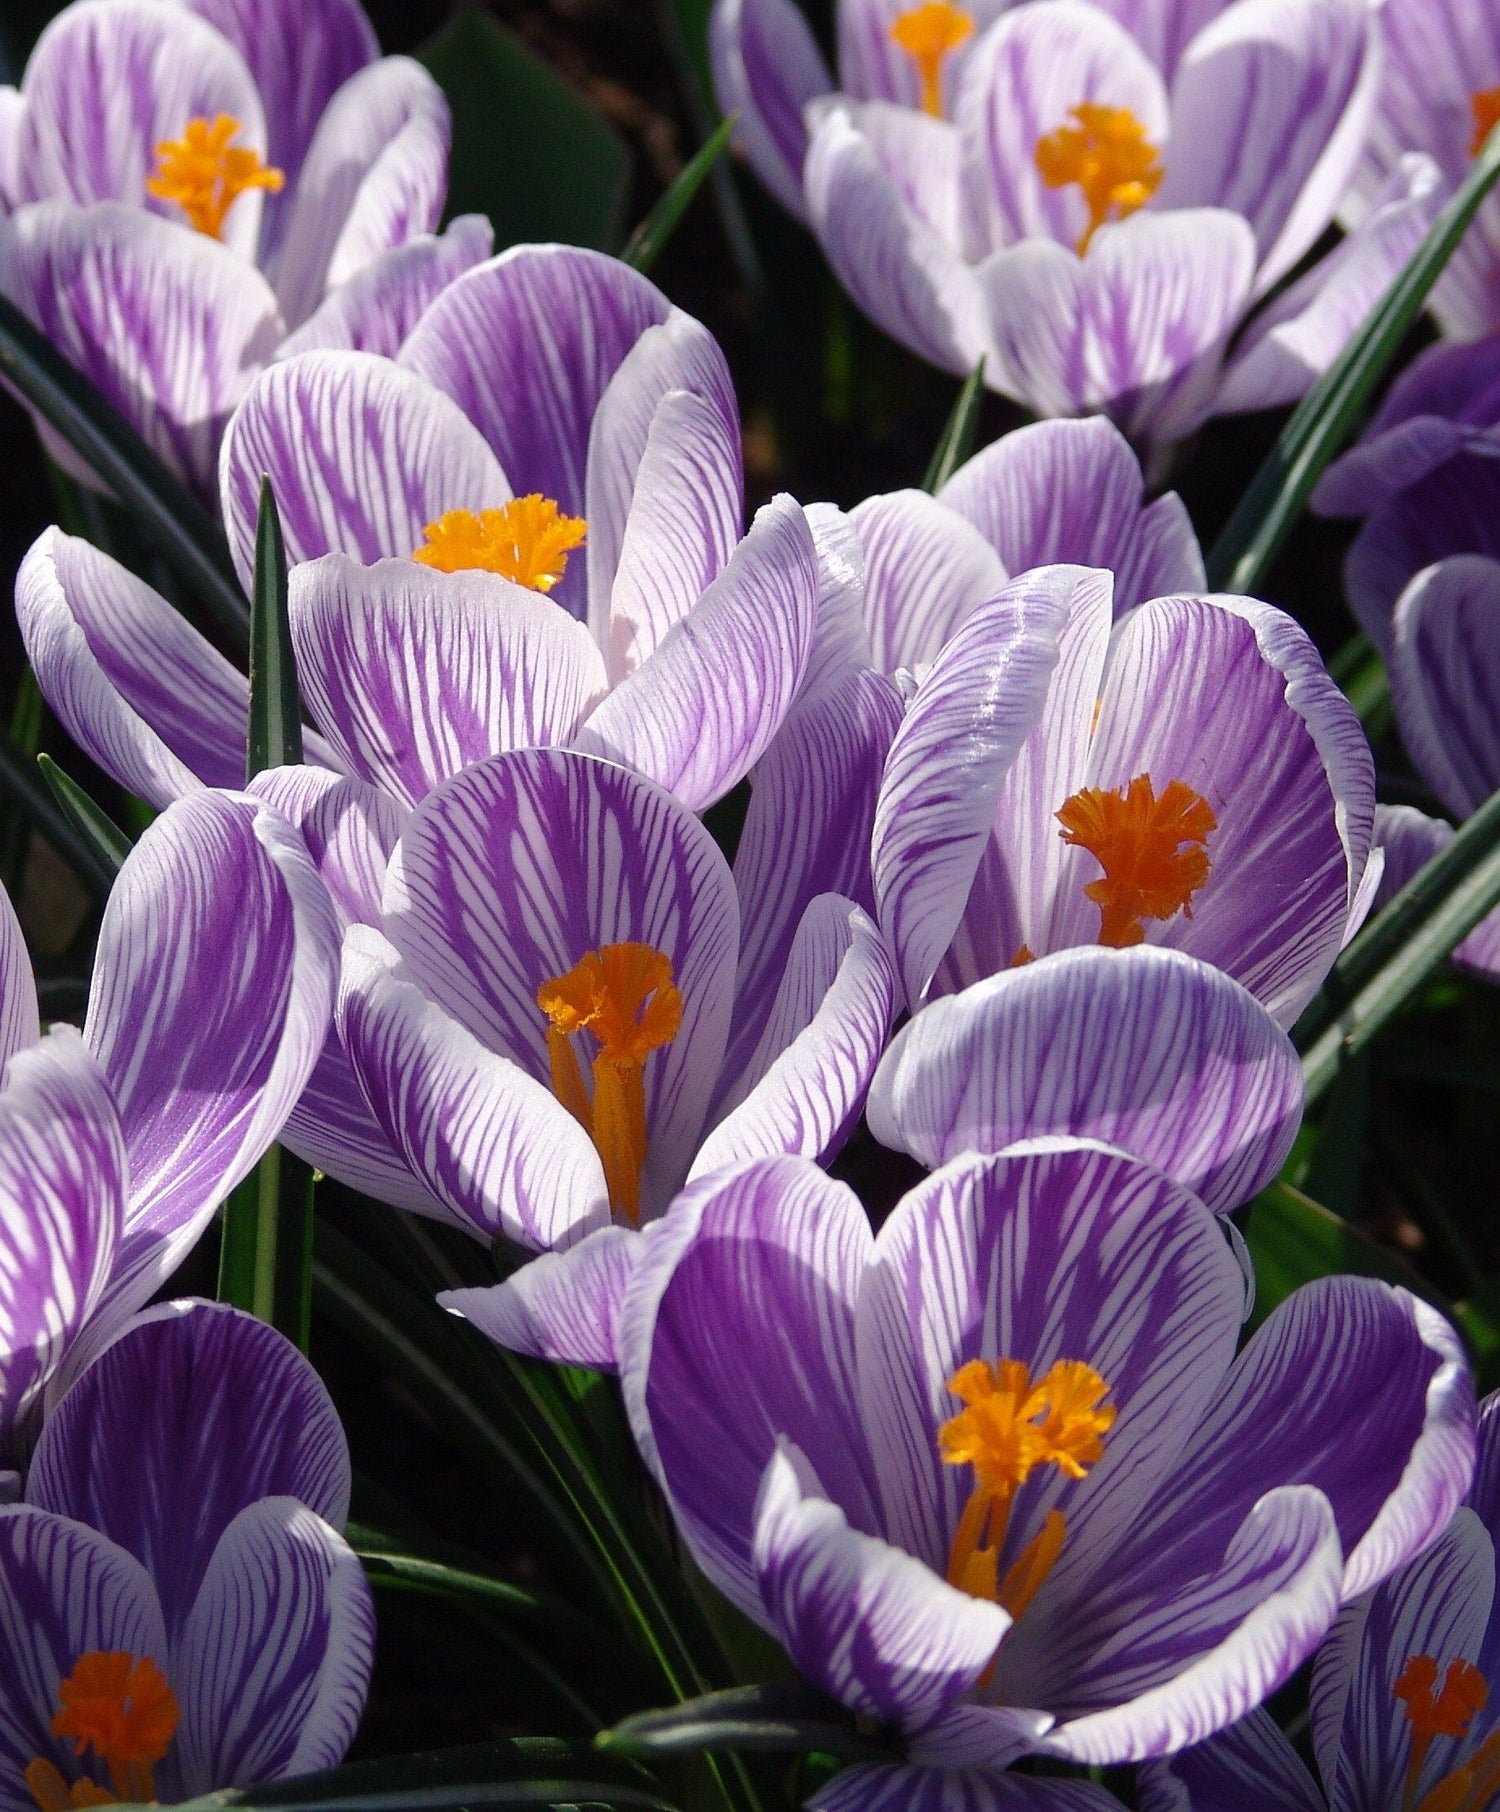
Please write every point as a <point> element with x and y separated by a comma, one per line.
<point>1411,839</point>
<point>1192,778</point>
<point>1403,1708</point>
<point>997,1478</point>
<point>178,1610</point>
<point>117,1144</point>
<point>1035,189</point>
<point>186,183</point>
<point>541,1025</point>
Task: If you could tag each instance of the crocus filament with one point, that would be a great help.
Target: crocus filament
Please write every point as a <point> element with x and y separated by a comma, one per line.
<point>927,34</point>
<point>1007,1428</point>
<point>1486,106</point>
<point>120,1706</point>
<point>206,175</point>
<point>621,995</point>
<point>527,541</point>
<point>1447,1708</point>
<point>1151,850</point>
<point>1107,153</point>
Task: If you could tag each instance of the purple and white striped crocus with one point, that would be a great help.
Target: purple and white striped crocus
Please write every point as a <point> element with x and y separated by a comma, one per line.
<point>553,1025</point>
<point>188,183</point>
<point>998,1478</point>
<point>1191,777</point>
<point>1403,1710</point>
<point>212,989</point>
<point>179,1612</point>
<point>1093,213</point>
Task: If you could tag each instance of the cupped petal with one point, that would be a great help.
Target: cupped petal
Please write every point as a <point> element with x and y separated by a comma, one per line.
<point>349,828</point>
<point>194,1412</point>
<point>374,177</point>
<point>64,1591</point>
<point>205,1058</point>
<point>899,269</point>
<point>750,1266</point>
<point>170,325</point>
<point>1072,491</point>
<point>872,1627</point>
<point>1163,28</point>
<point>491,1143</point>
<point>1230,696</point>
<point>415,674</point>
<point>700,713</point>
<point>767,67</point>
<point>1145,1049</point>
<point>806,1081</point>
<point>925,570</point>
<point>1021,82</point>
<point>276,1652</point>
<point>526,346</point>
<point>970,718</point>
<point>1206,1649</point>
<point>899,1787</point>
<point>135,685</point>
<point>20,1022</point>
<point>1270,107</point>
<point>1445,678</point>
<point>361,455</point>
<point>517,868</point>
<point>378,306</point>
<point>1409,840</point>
<point>563,1306</point>
<point>62,1211</point>
<point>1251,1767</point>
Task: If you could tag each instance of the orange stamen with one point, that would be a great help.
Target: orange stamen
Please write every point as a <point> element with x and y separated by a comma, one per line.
<point>1109,156</point>
<point>1151,850</point>
<point>120,1706</point>
<point>527,541</point>
<point>1446,1710</point>
<point>206,175</point>
<point>929,34</point>
<point>1486,109</point>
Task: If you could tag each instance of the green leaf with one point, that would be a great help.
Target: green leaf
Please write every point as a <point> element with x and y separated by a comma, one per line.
<point>520,1771</point>
<point>528,150</point>
<point>155,497</point>
<point>958,436</point>
<point>265,1244</point>
<point>108,846</point>
<point>275,727</point>
<point>1327,414</point>
<point>645,244</point>
<point>780,1718</point>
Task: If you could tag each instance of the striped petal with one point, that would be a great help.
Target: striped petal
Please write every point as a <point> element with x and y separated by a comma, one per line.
<point>895,1787</point>
<point>700,713</point>
<point>375,176</point>
<point>1407,840</point>
<point>1072,491</point>
<point>195,1406</point>
<point>1251,1767</point>
<point>361,455</point>
<point>515,869</point>
<point>1445,678</point>
<point>20,1024</point>
<point>563,1306</point>
<point>767,67</point>
<point>275,1655</point>
<point>925,571</point>
<point>1147,1050</point>
<point>205,1058</point>
<point>415,674</point>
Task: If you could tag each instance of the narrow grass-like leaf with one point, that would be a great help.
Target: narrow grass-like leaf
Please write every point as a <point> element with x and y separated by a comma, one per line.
<point>153,494</point>
<point>956,442</point>
<point>275,730</point>
<point>107,844</point>
<point>780,1718</point>
<point>645,244</point>
<point>265,1244</point>
<point>1328,413</point>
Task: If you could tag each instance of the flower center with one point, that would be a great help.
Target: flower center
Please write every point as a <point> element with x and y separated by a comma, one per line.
<point>206,175</point>
<point>1007,1428</point>
<point>527,541</point>
<point>927,34</point>
<point>120,1706</point>
<point>1486,106</point>
<point>622,996</point>
<point>1107,153</point>
<point>1447,1709</point>
<point>1151,850</point>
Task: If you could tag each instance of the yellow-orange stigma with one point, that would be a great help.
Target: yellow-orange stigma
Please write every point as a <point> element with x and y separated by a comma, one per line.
<point>1008,1428</point>
<point>1486,108</point>
<point>622,995</point>
<point>120,1706</point>
<point>929,34</point>
<point>1444,1702</point>
<point>1107,153</point>
<point>206,175</point>
<point>527,541</point>
<point>1152,851</point>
